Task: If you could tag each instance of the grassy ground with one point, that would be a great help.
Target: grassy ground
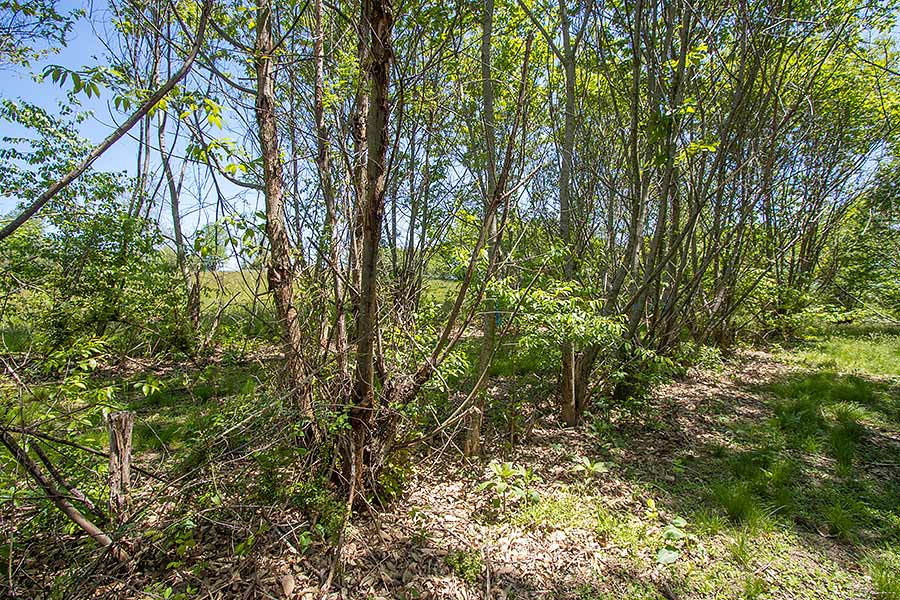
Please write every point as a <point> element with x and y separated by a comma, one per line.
<point>872,350</point>
<point>768,480</point>
<point>776,477</point>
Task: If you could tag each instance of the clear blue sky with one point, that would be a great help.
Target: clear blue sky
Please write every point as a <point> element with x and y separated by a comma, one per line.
<point>82,50</point>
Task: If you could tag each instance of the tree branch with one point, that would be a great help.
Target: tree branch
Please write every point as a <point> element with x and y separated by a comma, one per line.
<point>72,175</point>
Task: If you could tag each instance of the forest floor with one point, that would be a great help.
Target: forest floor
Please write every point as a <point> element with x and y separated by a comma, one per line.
<point>743,484</point>
<point>776,475</point>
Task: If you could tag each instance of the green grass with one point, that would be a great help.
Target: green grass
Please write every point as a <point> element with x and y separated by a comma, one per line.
<point>814,460</point>
<point>737,500</point>
<point>440,290</point>
<point>869,353</point>
<point>15,338</point>
<point>841,520</point>
<point>566,508</point>
<point>884,569</point>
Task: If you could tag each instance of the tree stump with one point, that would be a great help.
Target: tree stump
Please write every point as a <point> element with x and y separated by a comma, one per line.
<point>120,426</point>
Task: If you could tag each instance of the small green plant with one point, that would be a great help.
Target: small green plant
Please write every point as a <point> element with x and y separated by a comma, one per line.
<point>510,483</point>
<point>845,435</point>
<point>737,500</point>
<point>651,513</point>
<point>589,467</point>
<point>675,540</point>
<point>182,537</point>
<point>709,522</point>
<point>884,569</point>
<point>754,587</point>
<point>840,521</point>
<point>740,550</point>
<point>166,592</point>
<point>801,416</point>
<point>467,564</point>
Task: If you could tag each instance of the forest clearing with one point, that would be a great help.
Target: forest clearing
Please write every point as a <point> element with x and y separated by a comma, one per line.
<point>339,299</point>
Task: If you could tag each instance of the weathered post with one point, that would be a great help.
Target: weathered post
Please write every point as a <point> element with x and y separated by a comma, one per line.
<point>120,426</point>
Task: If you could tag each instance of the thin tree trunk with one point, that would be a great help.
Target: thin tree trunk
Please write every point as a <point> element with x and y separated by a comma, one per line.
<point>489,316</point>
<point>193,295</point>
<point>323,162</point>
<point>115,136</point>
<point>359,133</point>
<point>379,17</point>
<point>280,271</point>
<point>570,413</point>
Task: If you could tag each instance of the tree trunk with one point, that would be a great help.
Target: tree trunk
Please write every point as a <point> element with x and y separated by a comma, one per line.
<point>323,162</point>
<point>192,291</point>
<point>570,413</point>
<point>280,271</point>
<point>359,133</point>
<point>120,425</point>
<point>489,316</point>
<point>379,17</point>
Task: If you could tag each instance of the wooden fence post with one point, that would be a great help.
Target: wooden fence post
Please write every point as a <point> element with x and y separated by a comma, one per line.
<point>120,426</point>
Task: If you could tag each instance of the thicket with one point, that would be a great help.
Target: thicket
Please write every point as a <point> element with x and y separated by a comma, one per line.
<point>580,201</point>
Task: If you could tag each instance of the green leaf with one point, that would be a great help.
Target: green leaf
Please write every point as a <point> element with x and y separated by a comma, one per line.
<point>673,533</point>
<point>666,556</point>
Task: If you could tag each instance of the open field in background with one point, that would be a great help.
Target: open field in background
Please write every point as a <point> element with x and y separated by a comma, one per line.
<point>245,282</point>
<point>239,298</point>
<point>867,349</point>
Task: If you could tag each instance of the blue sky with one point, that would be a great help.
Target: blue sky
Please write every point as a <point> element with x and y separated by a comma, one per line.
<point>82,50</point>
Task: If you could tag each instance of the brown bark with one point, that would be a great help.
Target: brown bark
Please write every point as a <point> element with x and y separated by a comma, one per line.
<point>280,272</point>
<point>489,315</point>
<point>120,425</point>
<point>378,14</point>
<point>359,133</point>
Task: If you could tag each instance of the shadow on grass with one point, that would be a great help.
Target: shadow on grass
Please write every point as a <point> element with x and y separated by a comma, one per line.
<point>189,402</point>
<point>819,455</point>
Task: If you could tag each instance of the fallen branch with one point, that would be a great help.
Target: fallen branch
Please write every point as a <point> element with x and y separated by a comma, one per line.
<point>61,502</point>
<point>94,451</point>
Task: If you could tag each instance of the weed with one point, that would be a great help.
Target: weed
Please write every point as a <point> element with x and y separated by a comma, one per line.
<point>740,550</point>
<point>737,500</point>
<point>847,412</point>
<point>884,569</point>
<point>591,468</point>
<point>840,521</point>
<point>709,522</point>
<point>754,587</point>
<point>467,564</point>
<point>510,483</point>
<point>844,438</point>
<point>801,416</point>
<point>675,539</point>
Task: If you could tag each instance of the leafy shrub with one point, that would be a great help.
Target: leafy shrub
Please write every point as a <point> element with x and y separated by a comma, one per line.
<point>510,484</point>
